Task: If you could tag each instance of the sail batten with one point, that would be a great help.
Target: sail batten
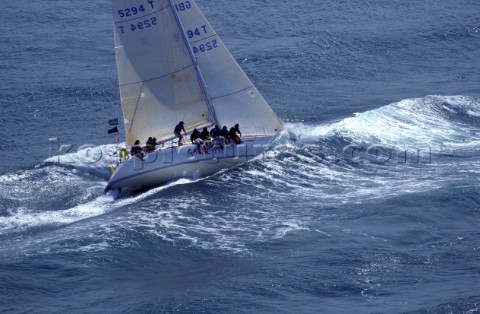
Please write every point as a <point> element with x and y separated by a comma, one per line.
<point>232,93</point>
<point>203,39</point>
<point>159,77</point>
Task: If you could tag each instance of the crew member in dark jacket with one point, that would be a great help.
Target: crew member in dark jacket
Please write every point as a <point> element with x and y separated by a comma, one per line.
<point>178,132</point>
<point>233,134</point>
<point>136,150</point>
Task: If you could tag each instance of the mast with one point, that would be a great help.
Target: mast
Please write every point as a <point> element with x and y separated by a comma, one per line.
<point>194,61</point>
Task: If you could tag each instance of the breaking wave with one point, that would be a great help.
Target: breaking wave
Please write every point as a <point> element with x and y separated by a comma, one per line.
<point>437,121</point>
<point>262,200</point>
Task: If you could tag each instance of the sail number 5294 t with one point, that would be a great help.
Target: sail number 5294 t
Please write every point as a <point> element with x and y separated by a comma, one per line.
<point>134,10</point>
<point>139,25</point>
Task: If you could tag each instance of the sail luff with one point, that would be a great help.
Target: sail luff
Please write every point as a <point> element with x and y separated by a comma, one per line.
<point>195,63</point>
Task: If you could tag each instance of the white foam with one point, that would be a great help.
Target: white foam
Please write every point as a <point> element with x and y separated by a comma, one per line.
<point>284,176</point>
<point>23,219</point>
<point>96,159</point>
<point>408,123</point>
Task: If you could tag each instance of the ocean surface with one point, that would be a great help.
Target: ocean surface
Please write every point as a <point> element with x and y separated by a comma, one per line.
<point>369,202</point>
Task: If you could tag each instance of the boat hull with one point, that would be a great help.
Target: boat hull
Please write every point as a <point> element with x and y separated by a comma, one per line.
<point>185,161</point>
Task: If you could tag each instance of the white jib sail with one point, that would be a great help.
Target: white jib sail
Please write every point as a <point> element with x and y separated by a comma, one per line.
<point>158,82</point>
<point>234,97</point>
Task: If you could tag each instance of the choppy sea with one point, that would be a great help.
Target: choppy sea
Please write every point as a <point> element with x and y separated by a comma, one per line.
<point>368,203</point>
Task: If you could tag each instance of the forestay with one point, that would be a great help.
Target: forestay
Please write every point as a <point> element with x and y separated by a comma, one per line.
<point>158,82</point>
<point>234,97</point>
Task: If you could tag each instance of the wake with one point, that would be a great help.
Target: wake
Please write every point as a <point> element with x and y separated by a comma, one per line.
<point>307,164</point>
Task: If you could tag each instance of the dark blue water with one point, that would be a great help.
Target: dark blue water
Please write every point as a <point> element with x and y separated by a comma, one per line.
<point>369,203</point>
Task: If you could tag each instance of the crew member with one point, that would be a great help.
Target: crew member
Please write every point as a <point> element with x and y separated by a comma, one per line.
<point>178,132</point>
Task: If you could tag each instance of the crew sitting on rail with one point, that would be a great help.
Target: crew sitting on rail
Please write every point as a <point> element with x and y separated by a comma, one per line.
<point>237,129</point>
<point>195,134</point>
<point>217,140</point>
<point>233,134</point>
<point>205,136</point>
<point>150,145</point>
<point>215,132</point>
<point>224,134</point>
<point>137,150</point>
<point>195,138</point>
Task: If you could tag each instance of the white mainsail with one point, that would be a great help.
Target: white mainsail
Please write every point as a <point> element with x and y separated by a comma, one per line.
<point>234,97</point>
<point>172,66</point>
<point>158,82</point>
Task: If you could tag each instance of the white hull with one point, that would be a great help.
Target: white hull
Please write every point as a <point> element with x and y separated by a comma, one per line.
<point>183,162</point>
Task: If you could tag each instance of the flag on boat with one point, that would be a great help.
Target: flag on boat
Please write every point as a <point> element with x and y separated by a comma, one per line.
<point>114,130</point>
